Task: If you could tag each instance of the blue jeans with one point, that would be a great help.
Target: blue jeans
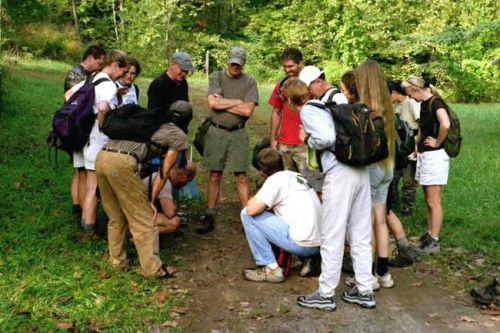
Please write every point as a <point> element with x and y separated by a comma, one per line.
<point>266,228</point>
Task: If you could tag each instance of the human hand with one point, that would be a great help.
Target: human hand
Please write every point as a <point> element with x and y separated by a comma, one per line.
<point>431,142</point>
<point>155,211</point>
<point>302,133</point>
<point>122,91</point>
<point>274,143</point>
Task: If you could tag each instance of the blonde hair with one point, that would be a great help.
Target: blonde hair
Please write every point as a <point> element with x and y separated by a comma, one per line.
<point>419,83</point>
<point>372,90</point>
<point>117,56</point>
<point>296,92</point>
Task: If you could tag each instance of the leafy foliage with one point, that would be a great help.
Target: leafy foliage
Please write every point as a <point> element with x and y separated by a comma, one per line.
<point>451,42</point>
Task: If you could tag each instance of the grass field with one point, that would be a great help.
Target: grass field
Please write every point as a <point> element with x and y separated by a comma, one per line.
<point>51,281</point>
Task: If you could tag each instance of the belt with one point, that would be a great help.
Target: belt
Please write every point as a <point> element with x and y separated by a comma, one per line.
<point>229,129</point>
<point>119,151</point>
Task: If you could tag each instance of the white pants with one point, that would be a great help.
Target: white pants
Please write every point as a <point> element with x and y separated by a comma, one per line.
<point>346,208</point>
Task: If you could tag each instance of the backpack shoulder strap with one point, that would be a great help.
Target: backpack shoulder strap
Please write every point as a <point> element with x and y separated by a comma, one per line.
<point>334,91</point>
<point>136,91</point>
<point>282,83</point>
<point>101,80</point>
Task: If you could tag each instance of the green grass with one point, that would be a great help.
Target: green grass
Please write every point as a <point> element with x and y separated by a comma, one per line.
<point>48,279</point>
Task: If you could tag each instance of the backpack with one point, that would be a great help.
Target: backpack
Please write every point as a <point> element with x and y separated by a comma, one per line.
<point>453,141</point>
<point>405,142</point>
<point>72,123</point>
<point>133,122</point>
<point>201,134</point>
<point>360,138</point>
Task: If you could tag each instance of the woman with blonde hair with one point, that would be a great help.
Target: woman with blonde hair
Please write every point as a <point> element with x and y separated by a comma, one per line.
<point>372,90</point>
<point>432,162</point>
<point>346,207</point>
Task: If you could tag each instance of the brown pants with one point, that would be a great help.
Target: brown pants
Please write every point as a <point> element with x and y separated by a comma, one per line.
<point>125,200</point>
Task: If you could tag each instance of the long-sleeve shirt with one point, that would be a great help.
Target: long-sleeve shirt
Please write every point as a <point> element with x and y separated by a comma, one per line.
<point>318,123</point>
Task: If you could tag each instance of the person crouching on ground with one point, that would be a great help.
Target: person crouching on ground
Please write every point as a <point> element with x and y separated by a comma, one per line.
<point>167,219</point>
<point>293,224</point>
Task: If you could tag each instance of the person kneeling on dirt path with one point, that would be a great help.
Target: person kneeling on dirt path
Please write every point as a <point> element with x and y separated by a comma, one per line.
<point>167,220</point>
<point>125,199</point>
<point>293,225</point>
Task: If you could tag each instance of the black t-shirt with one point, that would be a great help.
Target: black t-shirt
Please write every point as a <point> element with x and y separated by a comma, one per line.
<point>163,91</point>
<point>428,122</point>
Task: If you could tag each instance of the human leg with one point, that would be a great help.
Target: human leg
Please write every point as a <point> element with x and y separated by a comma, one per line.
<point>207,223</point>
<point>435,210</point>
<point>286,155</point>
<point>90,203</point>
<point>409,189</point>
<point>117,224</point>
<point>242,187</point>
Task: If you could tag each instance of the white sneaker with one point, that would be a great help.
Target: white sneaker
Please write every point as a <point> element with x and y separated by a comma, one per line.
<point>385,281</point>
<point>350,281</point>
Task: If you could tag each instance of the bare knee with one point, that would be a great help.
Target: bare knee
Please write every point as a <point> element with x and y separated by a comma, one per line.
<point>215,176</point>
<point>241,178</point>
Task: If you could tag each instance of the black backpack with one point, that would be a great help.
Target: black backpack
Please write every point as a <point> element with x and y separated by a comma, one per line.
<point>405,142</point>
<point>133,122</point>
<point>73,122</point>
<point>360,138</point>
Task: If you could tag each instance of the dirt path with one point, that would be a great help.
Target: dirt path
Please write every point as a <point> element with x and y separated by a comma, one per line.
<point>220,300</point>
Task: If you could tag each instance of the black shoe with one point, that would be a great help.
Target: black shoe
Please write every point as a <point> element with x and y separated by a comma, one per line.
<point>489,294</point>
<point>207,225</point>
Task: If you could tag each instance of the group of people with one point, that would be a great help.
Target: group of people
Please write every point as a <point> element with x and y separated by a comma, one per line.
<point>310,204</point>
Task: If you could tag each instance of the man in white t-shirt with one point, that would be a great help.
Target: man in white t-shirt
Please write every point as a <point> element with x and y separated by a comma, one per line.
<point>167,219</point>
<point>293,224</point>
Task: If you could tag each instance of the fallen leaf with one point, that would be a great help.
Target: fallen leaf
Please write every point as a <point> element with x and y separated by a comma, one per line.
<point>181,311</point>
<point>170,323</point>
<point>64,325</point>
<point>433,314</point>
<point>77,275</point>
<point>99,300</point>
<point>244,304</point>
<point>104,275</point>
<point>467,319</point>
<point>160,296</point>
<point>416,284</point>
<point>17,185</point>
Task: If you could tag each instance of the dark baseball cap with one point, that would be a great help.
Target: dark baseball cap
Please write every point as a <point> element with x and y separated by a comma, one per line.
<point>181,113</point>
<point>183,59</point>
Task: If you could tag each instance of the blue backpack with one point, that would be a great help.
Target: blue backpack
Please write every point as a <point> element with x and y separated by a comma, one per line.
<point>72,123</point>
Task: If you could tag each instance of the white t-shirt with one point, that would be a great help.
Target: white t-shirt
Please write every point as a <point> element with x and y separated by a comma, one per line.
<point>338,98</point>
<point>166,191</point>
<point>104,91</point>
<point>296,202</point>
<point>409,110</point>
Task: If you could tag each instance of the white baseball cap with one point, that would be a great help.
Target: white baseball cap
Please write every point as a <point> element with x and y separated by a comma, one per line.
<point>309,73</point>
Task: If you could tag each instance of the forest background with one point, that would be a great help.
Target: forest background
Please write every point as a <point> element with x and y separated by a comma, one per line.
<point>454,44</point>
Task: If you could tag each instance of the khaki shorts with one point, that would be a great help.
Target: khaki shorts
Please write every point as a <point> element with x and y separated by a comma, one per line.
<point>222,146</point>
<point>294,156</point>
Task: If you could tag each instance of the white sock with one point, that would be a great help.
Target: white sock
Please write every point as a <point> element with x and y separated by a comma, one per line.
<point>273,266</point>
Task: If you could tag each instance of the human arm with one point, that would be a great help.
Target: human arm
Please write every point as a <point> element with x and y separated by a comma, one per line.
<point>102,109</point>
<point>444,126</point>
<point>255,206</point>
<point>168,207</point>
<point>159,181</point>
<point>274,126</point>
<point>318,128</point>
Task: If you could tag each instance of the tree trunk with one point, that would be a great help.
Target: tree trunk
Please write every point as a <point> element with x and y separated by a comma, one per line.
<point>121,6</point>
<point>115,24</point>
<point>75,18</point>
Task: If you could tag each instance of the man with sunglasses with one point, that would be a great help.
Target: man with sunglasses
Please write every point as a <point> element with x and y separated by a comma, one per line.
<point>171,85</point>
<point>232,95</point>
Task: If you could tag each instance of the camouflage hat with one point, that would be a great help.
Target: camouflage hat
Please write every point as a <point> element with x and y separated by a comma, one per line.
<point>237,55</point>
<point>183,59</point>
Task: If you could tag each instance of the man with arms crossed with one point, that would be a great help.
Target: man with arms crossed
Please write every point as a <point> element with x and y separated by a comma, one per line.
<point>232,96</point>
